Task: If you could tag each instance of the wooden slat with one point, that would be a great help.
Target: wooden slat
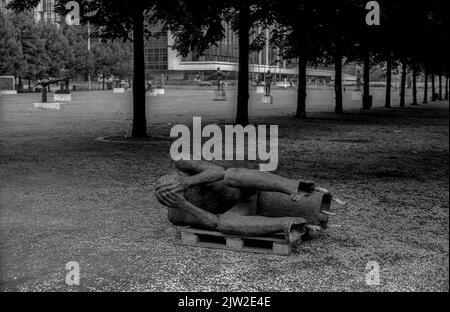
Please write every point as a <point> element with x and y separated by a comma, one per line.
<point>191,236</point>
<point>278,237</point>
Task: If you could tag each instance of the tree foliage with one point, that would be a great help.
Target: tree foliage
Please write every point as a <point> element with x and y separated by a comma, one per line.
<point>12,60</point>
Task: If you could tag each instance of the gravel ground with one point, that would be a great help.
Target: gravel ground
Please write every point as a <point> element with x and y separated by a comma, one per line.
<point>66,197</point>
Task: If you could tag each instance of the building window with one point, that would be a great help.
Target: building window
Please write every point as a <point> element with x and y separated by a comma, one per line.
<point>156,51</point>
<point>45,11</point>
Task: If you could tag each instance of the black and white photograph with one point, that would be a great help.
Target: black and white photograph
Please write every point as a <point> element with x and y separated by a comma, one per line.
<point>224,152</point>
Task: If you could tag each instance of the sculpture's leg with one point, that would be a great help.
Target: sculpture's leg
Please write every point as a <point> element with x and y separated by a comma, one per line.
<point>241,220</point>
<point>204,172</point>
<point>264,181</point>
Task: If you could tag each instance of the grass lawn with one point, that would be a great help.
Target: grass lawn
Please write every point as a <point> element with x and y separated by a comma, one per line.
<point>66,197</point>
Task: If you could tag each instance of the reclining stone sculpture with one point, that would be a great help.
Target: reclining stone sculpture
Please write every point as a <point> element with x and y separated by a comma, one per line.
<point>241,201</point>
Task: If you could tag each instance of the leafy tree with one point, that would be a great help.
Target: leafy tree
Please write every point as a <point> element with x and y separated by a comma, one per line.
<point>127,21</point>
<point>11,61</point>
<point>80,62</point>
<point>336,39</point>
<point>112,58</point>
<point>57,50</point>
<point>122,54</point>
<point>297,34</point>
<point>416,36</point>
<point>29,35</point>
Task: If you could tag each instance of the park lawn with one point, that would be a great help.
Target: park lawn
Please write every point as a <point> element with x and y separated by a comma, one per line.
<point>68,197</point>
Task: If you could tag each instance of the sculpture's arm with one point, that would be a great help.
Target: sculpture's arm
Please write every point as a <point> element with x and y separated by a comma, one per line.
<point>176,200</point>
<point>198,172</point>
<point>203,172</point>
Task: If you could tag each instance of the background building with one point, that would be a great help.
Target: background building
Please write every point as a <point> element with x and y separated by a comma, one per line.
<point>161,59</point>
<point>45,11</point>
<point>3,4</point>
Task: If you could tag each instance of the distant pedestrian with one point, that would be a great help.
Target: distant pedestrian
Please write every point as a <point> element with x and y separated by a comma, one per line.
<point>269,79</point>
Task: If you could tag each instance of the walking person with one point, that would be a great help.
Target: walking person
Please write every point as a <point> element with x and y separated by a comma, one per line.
<point>269,79</point>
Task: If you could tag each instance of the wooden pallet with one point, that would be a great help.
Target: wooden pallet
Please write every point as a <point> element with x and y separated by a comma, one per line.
<point>275,244</point>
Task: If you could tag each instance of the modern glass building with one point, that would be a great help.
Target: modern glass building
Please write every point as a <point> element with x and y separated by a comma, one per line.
<point>3,4</point>
<point>156,52</point>
<point>45,11</point>
<point>161,59</point>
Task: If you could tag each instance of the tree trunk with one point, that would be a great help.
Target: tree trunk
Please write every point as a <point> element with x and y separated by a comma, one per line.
<point>44,94</point>
<point>403,85</point>
<point>387,102</point>
<point>425,88</point>
<point>338,80</point>
<point>29,84</point>
<point>414,86</point>
<point>446,88</point>
<point>366,74</point>
<point>433,87</point>
<point>103,81</point>
<point>440,87</point>
<point>139,116</point>
<point>244,50</point>
<point>301,96</point>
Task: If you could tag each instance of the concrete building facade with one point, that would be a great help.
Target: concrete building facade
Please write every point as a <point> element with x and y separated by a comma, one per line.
<point>161,59</point>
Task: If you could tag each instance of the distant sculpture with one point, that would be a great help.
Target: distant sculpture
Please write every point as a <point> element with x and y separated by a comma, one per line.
<point>268,81</point>
<point>241,201</point>
<point>45,83</point>
<point>64,86</point>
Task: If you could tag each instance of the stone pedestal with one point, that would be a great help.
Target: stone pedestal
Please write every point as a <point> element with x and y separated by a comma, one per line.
<point>267,99</point>
<point>219,95</point>
<point>49,105</point>
<point>8,92</point>
<point>260,90</point>
<point>62,97</point>
<point>157,91</point>
<point>118,90</point>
